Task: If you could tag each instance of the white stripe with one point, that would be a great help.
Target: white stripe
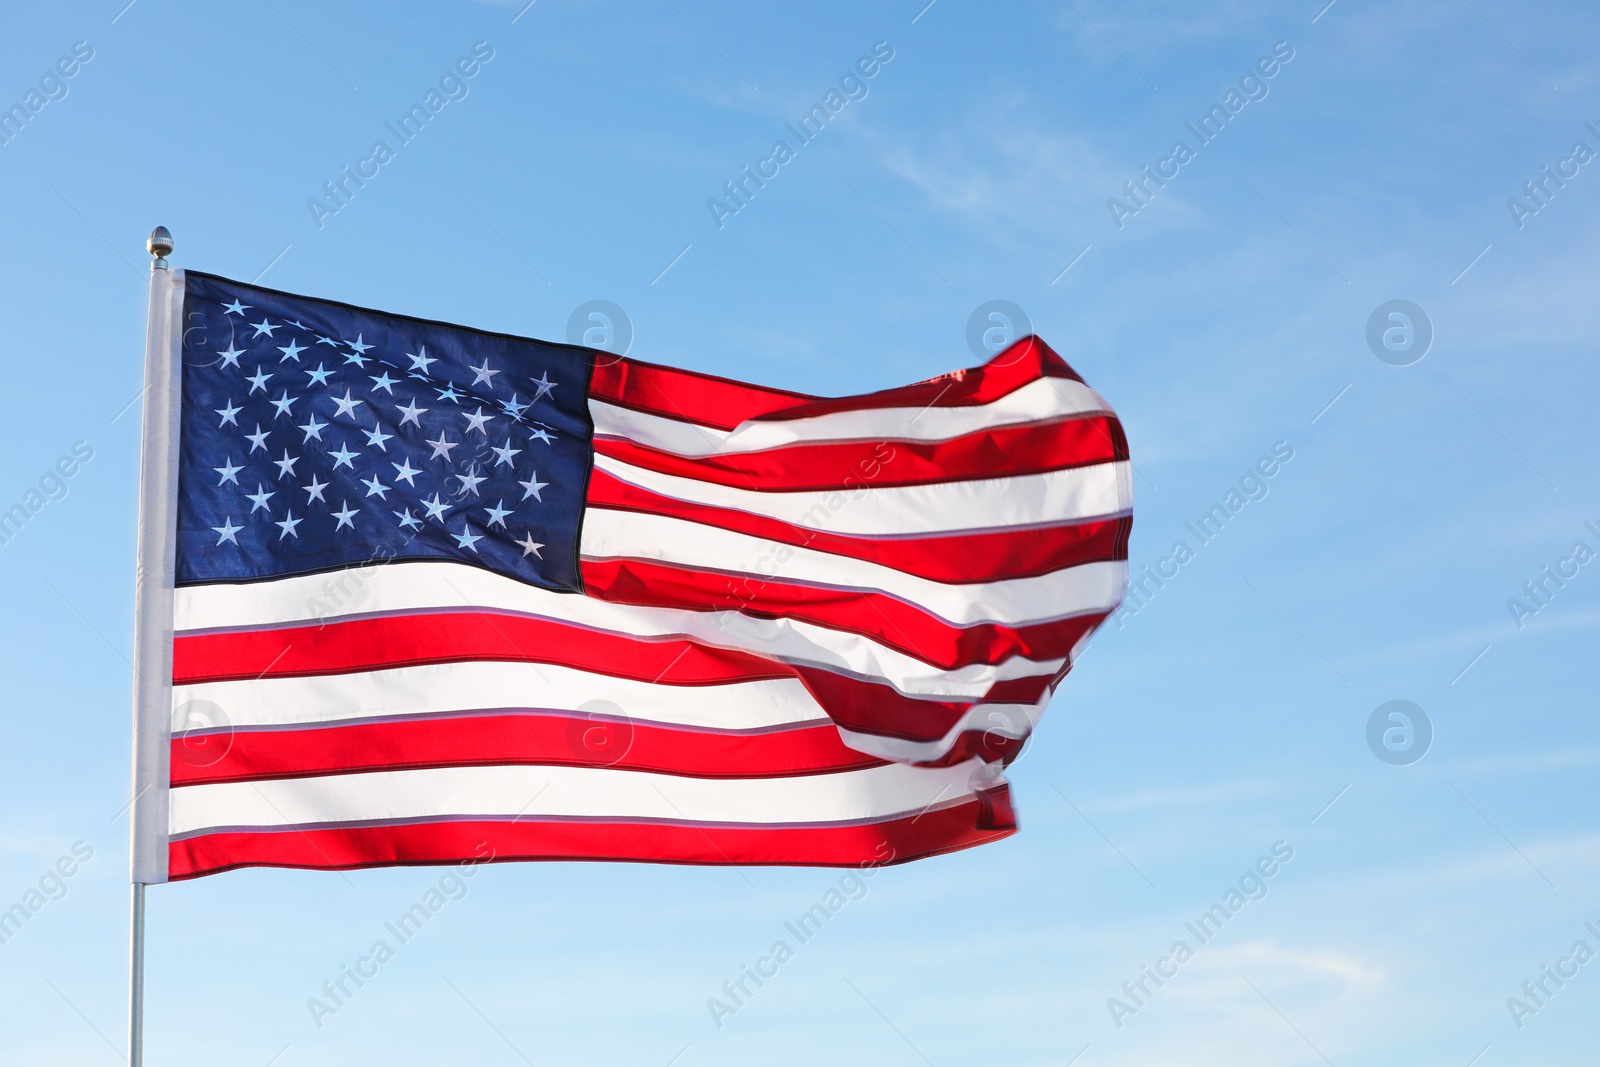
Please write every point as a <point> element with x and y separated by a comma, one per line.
<point>1046,398</point>
<point>402,692</point>
<point>940,507</point>
<point>535,792</point>
<point>1070,591</point>
<point>458,586</point>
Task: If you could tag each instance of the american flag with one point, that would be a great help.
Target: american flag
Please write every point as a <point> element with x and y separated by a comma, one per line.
<point>439,593</point>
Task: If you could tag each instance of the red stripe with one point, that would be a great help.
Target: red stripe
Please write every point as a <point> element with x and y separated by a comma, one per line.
<point>957,558</point>
<point>495,739</point>
<point>1023,690</point>
<point>870,708</point>
<point>985,745</point>
<point>852,465</point>
<point>713,401</point>
<point>986,818</point>
<point>398,640</point>
<point>686,395</point>
<point>884,618</point>
<point>884,711</point>
<point>452,637</point>
<point>1025,362</point>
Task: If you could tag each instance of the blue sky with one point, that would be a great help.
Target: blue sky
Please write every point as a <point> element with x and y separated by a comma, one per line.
<point>1227,315</point>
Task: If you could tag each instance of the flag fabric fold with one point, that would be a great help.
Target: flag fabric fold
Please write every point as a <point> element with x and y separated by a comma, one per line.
<point>443,594</point>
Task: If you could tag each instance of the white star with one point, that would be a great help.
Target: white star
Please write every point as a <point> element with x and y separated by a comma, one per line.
<point>504,454</point>
<point>411,413</point>
<point>449,393</point>
<point>283,402</point>
<point>533,485</point>
<point>530,547</point>
<point>345,517</point>
<point>287,525</point>
<point>230,356</point>
<point>321,340</point>
<point>258,382</point>
<point>376,488</point>
<point>355,357</point>
<point>228,531</point>
<point>475,422</point>
<point>513,408</point>
<point>285,465</point>
<point>470,481</point>
<point>541,435</point>
<point>346,406</point>
<point>290,351</point>
<point>259,499</point>
<point>546,386</point>
<point>420,362</point>
<point>377,438</point>
<point>227,414</point>
<point>404,471</point>
<point>466,538</point>
<point>435,507</point>
<point>314,428</point>
<point>483,374</point>
<point>314,491</point>
<point>319,376</point>
<point>263,327</point>
<point>257,439</point>
<point>498,513</point>
<point>343,457</point>
<point>356,346</point>
<point>442,447</point>
<point>236,308</point>
<point>384,382</point>
<point>230,473</point>
<point>408,520</point>
<point>296,323</point>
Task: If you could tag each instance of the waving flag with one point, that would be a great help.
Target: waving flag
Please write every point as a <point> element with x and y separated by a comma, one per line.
<point>433,594</point>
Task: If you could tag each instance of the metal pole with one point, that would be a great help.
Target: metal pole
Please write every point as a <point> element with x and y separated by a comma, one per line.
<point>136,982</point>
<point>159,245</point>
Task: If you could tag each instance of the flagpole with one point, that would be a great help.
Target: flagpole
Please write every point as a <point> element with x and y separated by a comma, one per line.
<point>136,982</point>
<point>154,547</point>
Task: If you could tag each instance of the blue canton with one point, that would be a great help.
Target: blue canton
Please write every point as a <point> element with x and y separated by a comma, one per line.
<point>317,436</point>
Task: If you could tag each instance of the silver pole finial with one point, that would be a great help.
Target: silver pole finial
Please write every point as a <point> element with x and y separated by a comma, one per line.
<point>160,246</point>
